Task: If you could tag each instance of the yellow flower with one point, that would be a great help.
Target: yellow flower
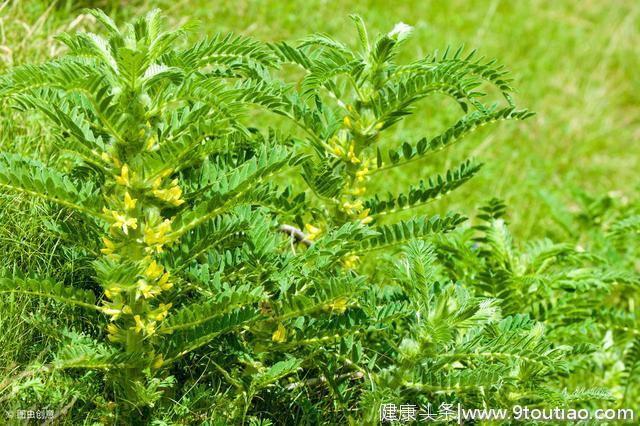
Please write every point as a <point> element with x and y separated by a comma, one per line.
<point>148,328</point>
<point>355,210</point>
<point>109,247</point>
<point>139,324</point>
<point>379,125</point>
<point>162,311</point>
<point>156,183</point>
<point>157,236</point>
<point>171,195</point>
<point>113,312</point>
<point>124,222</point>
<point>147,290</point>
<point>112,291</point>
<point>129,203</point>
<point>351,261</point>
<point>115,333</point>
<point>164,283</point>
<point>362,173</point>
<point>153,270</point>
<point>347,122</point>
<point>366,220</point>
<point>123,179</point>
<point>364,217</point>
<point>357,205</point>
<point>312,231</point>
<point>164,227</point>
<point>351,155</point>
<point>339,305</point>
<point>280,335</point>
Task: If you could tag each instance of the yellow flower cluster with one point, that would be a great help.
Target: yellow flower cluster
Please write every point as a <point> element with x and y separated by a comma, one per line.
<point>169,195</point>
<point>344,149</point>
<point>156,236</point>
<point>115,310</point>
<point>357,126</point>
<point>312,232</point>
<point>351,154</point>
<point>359,188</point>
<point>356,210</point>
<point>146,327</point>
<point>121,220</point>
<point>363,171</point>
<point>129,203</point>
<point>124,178</point>
<point>112,290</point>
<point>131,302</point>
<point>363,123</point>
<point>339,305</point>
<point>154,282</point>
<point>351,261</point>
<point>115,333</point>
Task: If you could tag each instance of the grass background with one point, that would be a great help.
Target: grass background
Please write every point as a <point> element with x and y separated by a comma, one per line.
<point>573,62</point>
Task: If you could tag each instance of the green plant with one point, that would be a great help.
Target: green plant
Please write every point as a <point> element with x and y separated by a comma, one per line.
<point>219,293</point>
<point>163,172</point>
<point>137,124</point>
<point>584,299</point>
<point>347,101</point>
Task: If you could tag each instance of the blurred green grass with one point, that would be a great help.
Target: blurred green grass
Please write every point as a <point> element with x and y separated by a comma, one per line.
<point>574,63</point>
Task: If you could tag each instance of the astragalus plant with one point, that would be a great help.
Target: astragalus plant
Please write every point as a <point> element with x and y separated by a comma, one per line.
<point>153,154</point>
<point>471,339</point>
<point>348,101</point>
<point>222,294</point>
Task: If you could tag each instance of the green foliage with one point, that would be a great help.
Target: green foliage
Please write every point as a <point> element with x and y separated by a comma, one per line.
<point>155,157</point>
<point>349,98</point>
<point>227,273</point>
<point>585,298</point>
